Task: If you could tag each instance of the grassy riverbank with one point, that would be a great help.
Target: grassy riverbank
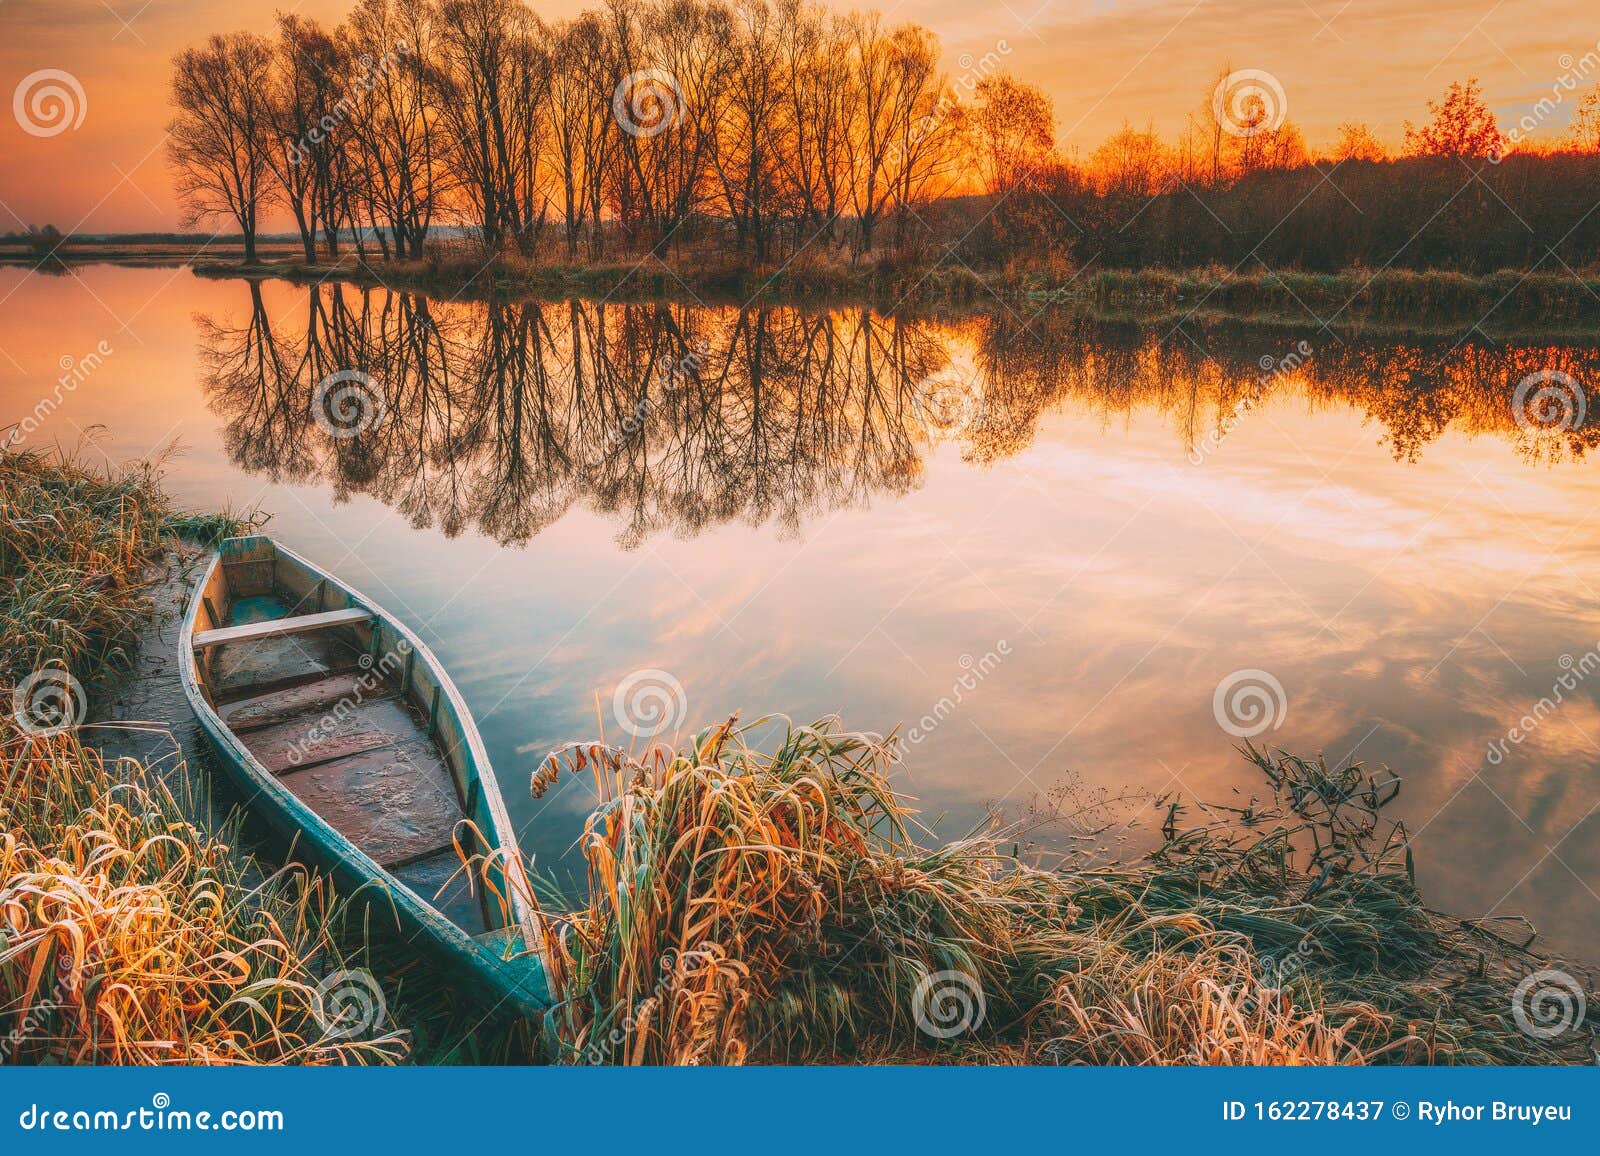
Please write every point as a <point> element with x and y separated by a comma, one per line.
<point>775,902</point>
<point>1511,301</point>
<point>783,905</point>
<point>1384,299</point>
<point>130,933</point>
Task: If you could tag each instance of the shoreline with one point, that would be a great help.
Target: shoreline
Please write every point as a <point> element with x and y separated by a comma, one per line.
<point>1224,925</point>
<point>1402,302</point>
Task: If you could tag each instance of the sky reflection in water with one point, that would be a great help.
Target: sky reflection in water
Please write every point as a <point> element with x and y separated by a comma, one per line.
<point>843,513</point>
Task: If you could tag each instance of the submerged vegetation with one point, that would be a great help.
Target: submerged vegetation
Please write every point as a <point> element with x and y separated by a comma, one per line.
<point>750,898</point>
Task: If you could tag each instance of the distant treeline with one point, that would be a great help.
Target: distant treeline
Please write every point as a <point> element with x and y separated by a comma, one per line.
<point>780,129</point>
<point>1425,212</point>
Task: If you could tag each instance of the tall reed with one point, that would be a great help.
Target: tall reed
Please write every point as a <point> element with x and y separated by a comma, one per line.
<point>780,902</point>
<point>128,934</point>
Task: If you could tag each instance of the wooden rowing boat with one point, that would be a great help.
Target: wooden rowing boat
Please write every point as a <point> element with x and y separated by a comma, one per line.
<point>344,732</point>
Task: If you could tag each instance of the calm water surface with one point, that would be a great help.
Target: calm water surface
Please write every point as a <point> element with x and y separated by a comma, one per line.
<point>818,513</point>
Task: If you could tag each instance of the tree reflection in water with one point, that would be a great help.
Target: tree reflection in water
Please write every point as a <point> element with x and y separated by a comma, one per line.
<point>671,418</point>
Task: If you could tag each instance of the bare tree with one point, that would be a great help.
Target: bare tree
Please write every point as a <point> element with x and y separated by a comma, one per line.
<point>580,121</point>
<point>1013,131</point>
<point>493,85</point>
<point>393,175</point>
<point>747,147</point>
<point>301,105</point>
<point>872,96</point>
<point>926,129</point>
<point>218,138</point>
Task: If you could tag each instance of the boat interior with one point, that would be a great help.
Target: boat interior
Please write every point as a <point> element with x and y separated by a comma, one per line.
<point>347,715</point>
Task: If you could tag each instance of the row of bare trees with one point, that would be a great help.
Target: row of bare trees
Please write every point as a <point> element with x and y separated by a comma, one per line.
<point>774,125</point>
<point>670,418</point>
<point>757,114</point>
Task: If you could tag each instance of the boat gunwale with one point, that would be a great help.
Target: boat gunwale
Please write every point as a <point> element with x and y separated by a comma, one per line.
<point>349,855</point>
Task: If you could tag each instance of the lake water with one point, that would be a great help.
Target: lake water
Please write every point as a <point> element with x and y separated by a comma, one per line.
<point>1042,542</point>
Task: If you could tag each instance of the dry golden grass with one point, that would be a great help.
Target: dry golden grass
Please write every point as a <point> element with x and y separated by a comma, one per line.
<point>778,904</point>
<point>1202,1000</point>
<point>745,902</point>
<point>129,935</point>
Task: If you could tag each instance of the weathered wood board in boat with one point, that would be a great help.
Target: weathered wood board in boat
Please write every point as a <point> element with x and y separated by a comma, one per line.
<point>344,732</point>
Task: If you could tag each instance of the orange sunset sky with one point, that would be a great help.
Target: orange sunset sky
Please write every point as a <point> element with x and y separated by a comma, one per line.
<point>1102,61</point>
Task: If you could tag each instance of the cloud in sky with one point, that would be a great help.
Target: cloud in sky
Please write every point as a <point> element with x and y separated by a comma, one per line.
<point>1103,62</point>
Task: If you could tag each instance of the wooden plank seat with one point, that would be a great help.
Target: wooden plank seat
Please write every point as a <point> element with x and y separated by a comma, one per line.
<point>279,627</point>
<point>253,707</point>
